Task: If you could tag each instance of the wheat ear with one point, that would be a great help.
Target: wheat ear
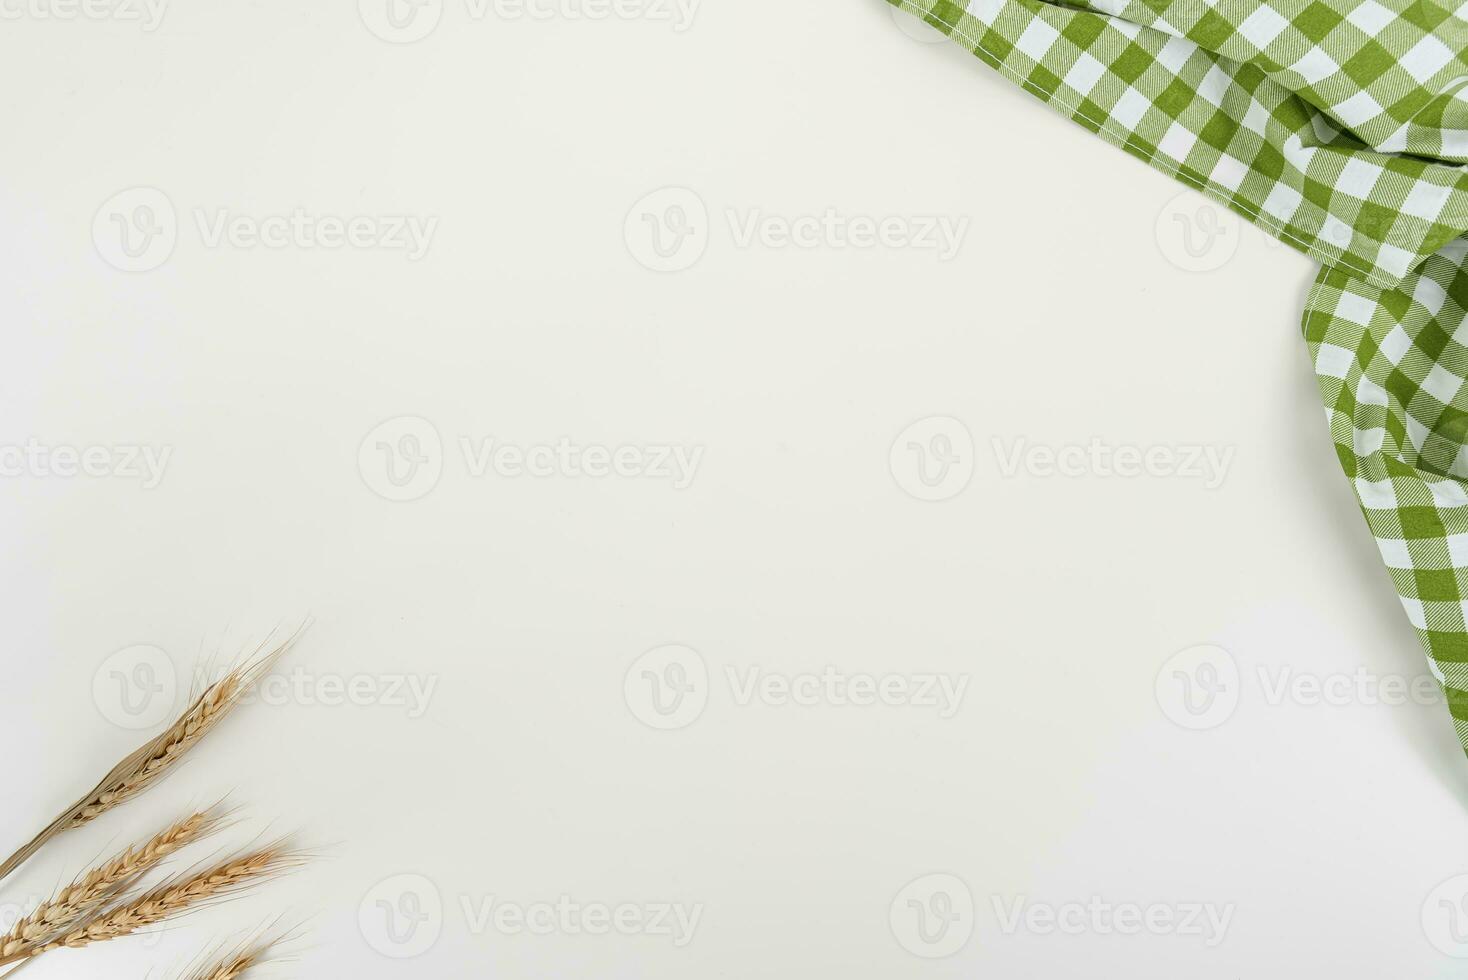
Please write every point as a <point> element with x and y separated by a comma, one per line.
<point>150,762</point>
<point>182,894</point>
<point>96,888</point>
<point>231,966</point>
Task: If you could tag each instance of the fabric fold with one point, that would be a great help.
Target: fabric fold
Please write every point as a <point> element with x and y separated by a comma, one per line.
<point>1390,364</point>
<point>1394,97</point>
<point>1339,127</point>
<point>1226,127</point>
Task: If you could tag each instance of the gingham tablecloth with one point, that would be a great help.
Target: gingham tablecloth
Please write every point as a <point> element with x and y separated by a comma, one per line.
<point>1337,126</point>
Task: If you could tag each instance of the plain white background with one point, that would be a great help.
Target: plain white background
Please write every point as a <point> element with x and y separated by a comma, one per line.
<point>295,387</point>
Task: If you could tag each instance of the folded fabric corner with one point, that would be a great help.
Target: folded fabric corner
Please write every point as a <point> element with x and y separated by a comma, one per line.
<point>1225,122</point>
<point>1337,126</point>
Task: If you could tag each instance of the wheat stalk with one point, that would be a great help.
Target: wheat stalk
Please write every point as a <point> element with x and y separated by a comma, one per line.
<point>152,761</point>
<point>233,965</point>
<point>170,899</point>
<point>94,889</point>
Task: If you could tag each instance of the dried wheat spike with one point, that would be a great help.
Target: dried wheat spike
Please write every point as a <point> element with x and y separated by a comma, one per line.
<point>233,965</point>
<point>182,894</point>
<point>153,760</point>
<point>100,885</point>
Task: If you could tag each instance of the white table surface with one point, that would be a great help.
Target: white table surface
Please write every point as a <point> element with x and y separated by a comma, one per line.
<point>526,765</point>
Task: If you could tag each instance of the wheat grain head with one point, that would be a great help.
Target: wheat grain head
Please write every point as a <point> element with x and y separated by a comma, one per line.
<point>94,889</point>
<point>151,761</point>
<point>183,893</point>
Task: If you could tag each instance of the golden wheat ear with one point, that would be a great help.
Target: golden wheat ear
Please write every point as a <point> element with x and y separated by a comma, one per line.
<point>233,960</point>
<point>150,762</point>
<point>183,893</point>
<point>103,884</point>
<point>233,965</point>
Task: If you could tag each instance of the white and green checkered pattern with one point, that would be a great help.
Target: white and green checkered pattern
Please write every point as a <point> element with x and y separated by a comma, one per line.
<point>1390,363</point>
<point>1340,126</point>
<point>1385,75</point>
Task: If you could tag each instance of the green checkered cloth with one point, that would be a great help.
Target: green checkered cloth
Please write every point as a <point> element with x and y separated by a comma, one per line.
<point>1341,127</point>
